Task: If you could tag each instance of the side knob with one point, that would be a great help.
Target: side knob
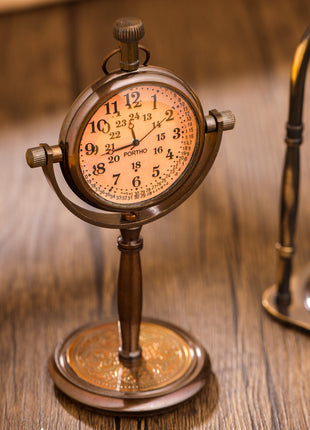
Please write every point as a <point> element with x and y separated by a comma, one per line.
<point>228,118</point>
<point>128,31</point>
<point>37,157</point>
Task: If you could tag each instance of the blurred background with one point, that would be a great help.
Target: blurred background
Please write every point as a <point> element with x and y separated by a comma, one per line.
<point>206,264</point>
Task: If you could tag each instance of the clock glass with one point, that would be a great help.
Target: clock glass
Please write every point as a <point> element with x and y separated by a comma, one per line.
<point>138,144</point>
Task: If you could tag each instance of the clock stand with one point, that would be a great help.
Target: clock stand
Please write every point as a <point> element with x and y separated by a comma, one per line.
<point>289,299</point>
<point>131,366</point>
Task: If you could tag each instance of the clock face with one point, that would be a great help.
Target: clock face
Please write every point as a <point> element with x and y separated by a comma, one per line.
<point>138,145</point>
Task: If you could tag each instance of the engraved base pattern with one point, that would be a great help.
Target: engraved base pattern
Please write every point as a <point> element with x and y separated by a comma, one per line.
<point>93,356</point>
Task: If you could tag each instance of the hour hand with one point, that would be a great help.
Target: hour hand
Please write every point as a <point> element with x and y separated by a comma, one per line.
<point>135,141</point>
<point>131,127</point>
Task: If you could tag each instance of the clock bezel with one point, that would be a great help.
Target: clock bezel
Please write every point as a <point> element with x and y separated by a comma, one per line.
<point>87,104</point>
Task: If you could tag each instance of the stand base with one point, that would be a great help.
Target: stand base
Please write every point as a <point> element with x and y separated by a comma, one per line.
<point>172,369</point>
<point>297,312</point>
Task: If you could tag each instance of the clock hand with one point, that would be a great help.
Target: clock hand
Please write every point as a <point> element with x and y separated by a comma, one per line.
<point>135,142</point>
<point>157,125</point>
<point>131,127</point>
<point>132,145</point>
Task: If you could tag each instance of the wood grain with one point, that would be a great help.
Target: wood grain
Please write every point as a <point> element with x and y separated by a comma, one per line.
<point>9,6</point>
<point>205,265</point>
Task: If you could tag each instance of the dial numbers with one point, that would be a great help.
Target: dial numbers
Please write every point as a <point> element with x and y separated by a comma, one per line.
<point>138,144</point>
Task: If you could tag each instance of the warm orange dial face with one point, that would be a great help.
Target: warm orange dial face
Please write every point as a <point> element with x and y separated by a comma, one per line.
<point>138,144</point>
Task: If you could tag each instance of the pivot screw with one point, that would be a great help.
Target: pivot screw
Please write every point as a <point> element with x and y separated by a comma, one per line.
<point>228,118</point>
<point>36,157</point>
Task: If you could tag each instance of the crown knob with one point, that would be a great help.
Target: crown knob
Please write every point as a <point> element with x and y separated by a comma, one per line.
<point>128,31</point>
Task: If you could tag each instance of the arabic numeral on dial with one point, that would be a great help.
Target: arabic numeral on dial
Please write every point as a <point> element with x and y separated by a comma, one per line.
<point>177,134</point>
<point>136,182</point>
<point>134,116</point>
<point>117,175</point>
<point>109,109</point>
<point>161,136</point>
<point>156,124</point>
<point>121,123</point>
<point>101,125</point>
<point>91,149</point>
<point>169,113</point>
<point>155,171</point>
<point>136,165</point>
<point>115,134</point>
<point>132,99</point>
<point>154,101</point>
<point>147,116</point>
<point>109,147</point>
<point>170,154</point>
<point>98,169</point>
<point>113,158</point>
<point>158,150</point>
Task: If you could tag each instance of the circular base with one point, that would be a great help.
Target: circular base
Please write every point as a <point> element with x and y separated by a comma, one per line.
<point>173,368</point>
<point>297,312</point>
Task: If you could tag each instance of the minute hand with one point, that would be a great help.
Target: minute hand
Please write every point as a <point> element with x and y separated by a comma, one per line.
<point>132,145</point>
<point>158,125</point>
<point>135,142</point>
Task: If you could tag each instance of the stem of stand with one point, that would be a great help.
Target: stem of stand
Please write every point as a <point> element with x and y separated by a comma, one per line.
<point>290,179</point>
<point>289,205</point>
<point>130,294</point>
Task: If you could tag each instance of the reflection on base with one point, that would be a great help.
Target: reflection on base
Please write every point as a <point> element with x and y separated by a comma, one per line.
<point>298,311</point>
<point>173,368</point>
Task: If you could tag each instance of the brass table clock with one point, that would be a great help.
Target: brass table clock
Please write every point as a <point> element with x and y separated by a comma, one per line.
<point>134,145</point>
<point>289,299</point>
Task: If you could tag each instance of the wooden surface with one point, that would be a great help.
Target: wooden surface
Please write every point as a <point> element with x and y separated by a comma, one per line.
<point>205,265</point>
<point>7,6</point>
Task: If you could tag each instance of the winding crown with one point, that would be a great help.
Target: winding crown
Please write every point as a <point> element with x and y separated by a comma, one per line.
<point>128,29</point>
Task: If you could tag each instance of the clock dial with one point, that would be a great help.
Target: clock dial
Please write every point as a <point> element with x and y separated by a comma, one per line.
<point>138,144</point>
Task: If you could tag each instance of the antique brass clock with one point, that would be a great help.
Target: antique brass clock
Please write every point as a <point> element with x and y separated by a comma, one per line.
<point>137,145</point>
<point>134,145</point>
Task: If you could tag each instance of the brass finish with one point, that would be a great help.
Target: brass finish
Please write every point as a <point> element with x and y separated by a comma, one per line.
<point>130,367</point>
<point>166,358</point>
<point>37,157</point>
<point>297,313</point>
<point>130,293</point>
<point>128,31</point>
<point>173,367</point>
<point>143,215</point>
<point>118,51</point>
<point>228,118</point>
<point>281,302</point>
<point>84,107</point>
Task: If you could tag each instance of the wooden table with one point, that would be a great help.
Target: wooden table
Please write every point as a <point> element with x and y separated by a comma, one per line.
<point>206,264</point>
